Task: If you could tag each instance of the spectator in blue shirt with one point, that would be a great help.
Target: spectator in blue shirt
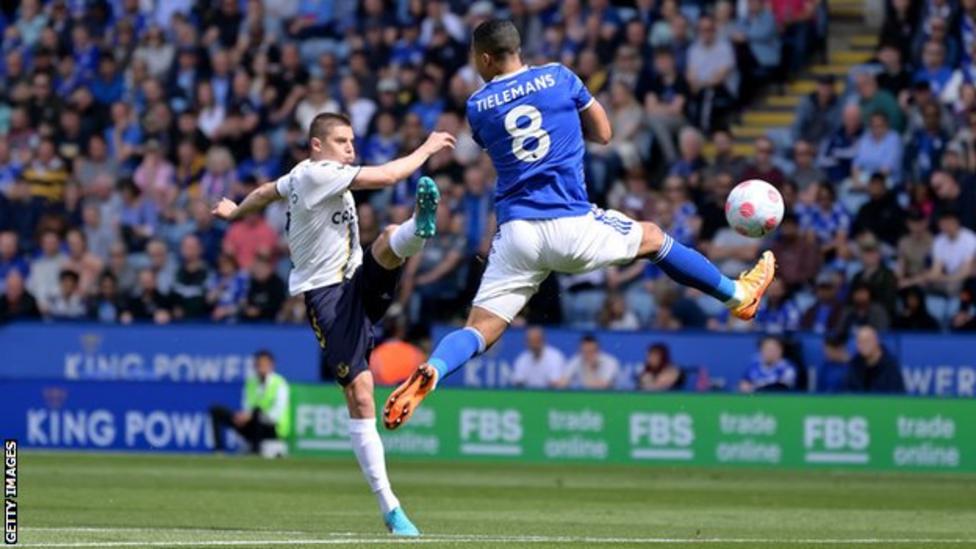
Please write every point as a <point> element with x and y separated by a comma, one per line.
<point>227,290</point>
<point>108,86</point>
<point>837,152</point>
<point>926,144</point>
<point>477,207</point>
<point>826,219</point>
<point>429,105</point>
<point>934,70</point>
<point>778,314</point>
<point>262,165</point>
<point>770,371</point>
<point>408,50</point>
<point>383,144</point>
<point>878,150</point>
<point>312,19</point>
<point>138,218</point>
<point>758,46</point>
<point>832,374</point>
<point>85,51</point>
<point>9,168</point>
<point>10,258</point>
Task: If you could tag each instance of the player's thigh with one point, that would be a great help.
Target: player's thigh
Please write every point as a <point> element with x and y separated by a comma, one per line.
<point>338,318</point>
<point>514,272</point>
<point>599,239</point>
<point>377,286</point>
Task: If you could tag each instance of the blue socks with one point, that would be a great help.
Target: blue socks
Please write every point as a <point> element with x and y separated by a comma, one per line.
<point>688,267</point>
<point>455,349</point>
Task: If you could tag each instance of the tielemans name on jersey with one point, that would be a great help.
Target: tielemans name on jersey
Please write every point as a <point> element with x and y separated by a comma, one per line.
<point>512,93</point>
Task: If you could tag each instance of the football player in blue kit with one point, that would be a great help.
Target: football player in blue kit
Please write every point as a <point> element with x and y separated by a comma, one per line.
<point>533,121</point>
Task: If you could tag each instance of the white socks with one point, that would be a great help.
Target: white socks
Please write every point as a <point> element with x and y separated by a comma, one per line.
<point>737,298</point>
<point>368,447</point>
<point>405,243</point>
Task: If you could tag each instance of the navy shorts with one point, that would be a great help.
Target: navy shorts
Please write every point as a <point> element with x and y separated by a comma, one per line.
<point>343,315</point>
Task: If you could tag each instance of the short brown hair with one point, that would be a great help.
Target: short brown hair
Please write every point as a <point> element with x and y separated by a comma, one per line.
<point>323,123</point>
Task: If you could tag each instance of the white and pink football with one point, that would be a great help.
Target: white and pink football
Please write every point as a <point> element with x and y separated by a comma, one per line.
<point>754,208</point>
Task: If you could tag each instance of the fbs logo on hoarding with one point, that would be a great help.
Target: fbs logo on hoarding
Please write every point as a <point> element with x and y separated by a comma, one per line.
<point>322,427</point>
<point>836,439</point>
<point>660,436</point>
<point>491,432</point>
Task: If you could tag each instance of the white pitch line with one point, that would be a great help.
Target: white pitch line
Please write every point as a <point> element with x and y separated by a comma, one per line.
<point>146,529</point>
<point>501,539</point>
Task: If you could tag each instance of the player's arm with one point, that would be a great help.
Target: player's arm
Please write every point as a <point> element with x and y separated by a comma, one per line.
<point>596,124</point>
<point>255,201</point>
<point>385,175</point>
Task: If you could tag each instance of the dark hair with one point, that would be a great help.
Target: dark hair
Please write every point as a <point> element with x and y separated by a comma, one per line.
<point>661,51</point>
<point>949,213</point>
<point>664,350</point>
<point>68,274</point>
<point>128,185</point>
<point>323,123</point>
<point>263,353</point>
<point>496,37</point>
<point>588,338</point>
<point>836,340</point>
<point>881,115</point>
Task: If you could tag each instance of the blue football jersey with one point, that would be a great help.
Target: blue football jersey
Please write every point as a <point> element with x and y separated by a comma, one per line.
<point>529,123</point>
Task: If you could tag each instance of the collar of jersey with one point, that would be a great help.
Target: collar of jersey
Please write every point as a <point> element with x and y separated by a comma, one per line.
<point>501,77</point>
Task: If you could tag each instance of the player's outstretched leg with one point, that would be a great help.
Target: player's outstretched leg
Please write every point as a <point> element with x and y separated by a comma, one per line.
<point>483,329</point>
<point>690,268</point>
<point>399,243</point>
<point>368,447</point>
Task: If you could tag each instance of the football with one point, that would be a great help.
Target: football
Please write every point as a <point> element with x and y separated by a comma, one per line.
<point>754,208</point>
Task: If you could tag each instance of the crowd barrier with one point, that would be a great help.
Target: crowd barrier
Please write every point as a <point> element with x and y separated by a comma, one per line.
<point>933,365</point>
<point>770,431</point>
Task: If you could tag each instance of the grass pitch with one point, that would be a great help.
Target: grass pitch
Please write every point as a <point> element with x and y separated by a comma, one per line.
<point>88,500</point>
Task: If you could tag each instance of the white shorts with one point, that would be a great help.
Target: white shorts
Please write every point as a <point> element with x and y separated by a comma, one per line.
<point>526,251</point>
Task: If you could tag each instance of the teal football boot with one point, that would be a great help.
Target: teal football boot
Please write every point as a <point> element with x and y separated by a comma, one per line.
<point>398,524</point>
<point>425,210</point>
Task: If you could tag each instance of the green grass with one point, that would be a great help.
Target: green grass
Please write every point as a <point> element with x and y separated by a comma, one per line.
<point>88,500</point>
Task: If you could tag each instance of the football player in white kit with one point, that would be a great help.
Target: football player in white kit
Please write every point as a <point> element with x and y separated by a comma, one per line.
<point>345,292</point>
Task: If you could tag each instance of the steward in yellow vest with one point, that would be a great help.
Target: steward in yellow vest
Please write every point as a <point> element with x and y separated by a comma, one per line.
<point>264,415</point>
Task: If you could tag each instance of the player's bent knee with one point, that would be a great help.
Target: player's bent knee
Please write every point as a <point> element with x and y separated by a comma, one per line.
<point>382,250</point>
<point>652,240</point>
<point>489,325</point>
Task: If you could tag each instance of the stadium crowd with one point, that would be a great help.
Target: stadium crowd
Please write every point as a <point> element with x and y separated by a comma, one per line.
<point>778,366</point>
<point>122,121</point>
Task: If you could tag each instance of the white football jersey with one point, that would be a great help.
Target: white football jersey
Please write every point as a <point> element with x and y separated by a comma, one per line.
<point>323,230</point>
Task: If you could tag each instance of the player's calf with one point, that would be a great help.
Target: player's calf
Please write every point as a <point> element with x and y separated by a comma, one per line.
<point>688,267</point>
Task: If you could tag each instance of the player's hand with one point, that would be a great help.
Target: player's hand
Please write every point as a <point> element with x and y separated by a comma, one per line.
<point>224,209</point>
<point>438,141</point>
